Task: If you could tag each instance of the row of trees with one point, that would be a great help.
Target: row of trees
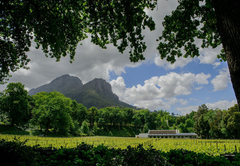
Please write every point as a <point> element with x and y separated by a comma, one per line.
<point>62,115</point>
<point>209,123</point>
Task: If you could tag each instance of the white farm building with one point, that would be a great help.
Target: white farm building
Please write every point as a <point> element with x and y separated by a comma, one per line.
<point>166,134</point>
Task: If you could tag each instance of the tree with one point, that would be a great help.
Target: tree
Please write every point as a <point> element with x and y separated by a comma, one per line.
<point>145,128</point>
<point>203,127</point>
<point>91,112</point>
<point>14,103</point>
<point>215,22</point>
<point>58,26</point>
<point>103,117</point>
<point>52,111</point>
<point>215,125</point>
<point>120,118</point>
<point>137,120</point>
<point>79,112</point>
<point>95,128</point>
<point>85,127</point>
<point>182,128</point>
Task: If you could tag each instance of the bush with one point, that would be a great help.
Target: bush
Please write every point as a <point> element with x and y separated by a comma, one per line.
<point>17,153</point>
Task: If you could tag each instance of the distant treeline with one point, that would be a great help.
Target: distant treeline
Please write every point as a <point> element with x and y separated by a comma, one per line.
<point>53,111</point>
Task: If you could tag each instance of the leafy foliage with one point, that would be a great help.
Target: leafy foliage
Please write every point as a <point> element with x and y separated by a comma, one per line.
<point>14,104</point>
<point>192,19</point>
<point>52,111</point>
<point>17,152</point>
<point>59,26</point>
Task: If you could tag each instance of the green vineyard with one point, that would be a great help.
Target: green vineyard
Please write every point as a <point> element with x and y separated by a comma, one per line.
<point>209,147</point>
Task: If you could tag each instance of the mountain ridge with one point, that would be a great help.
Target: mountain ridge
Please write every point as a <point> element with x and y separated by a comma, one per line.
<point>97,92</point>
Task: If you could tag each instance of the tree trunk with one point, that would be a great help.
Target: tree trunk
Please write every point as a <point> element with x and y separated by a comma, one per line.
<point>228,25</point>
<point>48,125</point>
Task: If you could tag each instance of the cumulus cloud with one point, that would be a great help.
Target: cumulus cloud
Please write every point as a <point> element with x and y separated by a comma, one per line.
<point>159,91</point>
<point>187,110</point>
<point>198,88</point>
<point>209,55</point>
<point>221,81</point>
<point>216,64</point>
<point>118,87</point>
<point>221,104</point>
<point>183,102</point>
<point>180,62</point>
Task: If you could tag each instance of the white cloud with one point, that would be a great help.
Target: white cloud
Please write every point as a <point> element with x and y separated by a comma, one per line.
<point>180,62</point>
<point>159,92</point>
<point>118,87</point>
<point>221,81</point>
<point>187,110</point>
<point>152,104</point>
<point>209,55</point>
<point>221,104</point>
<point>198,88</point>
<point>202,78</point>
<point>216,64</point>
<point>183,102</point>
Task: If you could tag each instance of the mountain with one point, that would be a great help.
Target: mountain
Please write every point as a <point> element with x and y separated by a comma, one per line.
<point>96,93</point>
<point>64,84</point>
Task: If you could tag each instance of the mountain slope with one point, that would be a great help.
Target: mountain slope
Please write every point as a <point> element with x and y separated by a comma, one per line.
<point>96,93</point>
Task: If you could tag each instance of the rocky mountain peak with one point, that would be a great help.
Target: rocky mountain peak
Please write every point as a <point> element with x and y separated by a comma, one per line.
<point>63,84</point>
<point>101,87</point>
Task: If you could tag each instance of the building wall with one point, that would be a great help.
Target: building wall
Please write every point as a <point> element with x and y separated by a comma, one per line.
<point>143,135</point>
<point>174,137</point>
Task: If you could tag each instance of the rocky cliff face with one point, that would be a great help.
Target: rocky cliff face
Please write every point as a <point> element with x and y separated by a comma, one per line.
<point>101,87</point>
<point>96,93</point>
<point>64,84</point>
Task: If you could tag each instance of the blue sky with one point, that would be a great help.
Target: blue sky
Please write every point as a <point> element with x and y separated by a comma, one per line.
<point>153,83</point>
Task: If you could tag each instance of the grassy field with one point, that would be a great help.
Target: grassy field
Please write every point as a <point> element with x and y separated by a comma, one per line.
<point>209,147</point>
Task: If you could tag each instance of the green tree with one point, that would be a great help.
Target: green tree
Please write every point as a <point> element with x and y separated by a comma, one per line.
<point>52,111</point>
<point>230,122</point>
<point>224,123</point>
<point>215,125</point>
<point>189,123</point>
<point>129,115</point>
<point>145,128</point>
<point>84,127</point>
<point>79,112</point>
<point>58,26</point>
<point>203,127</point>
<point>113,114</point>
<point>120,118</point>
<point>95,128</point>
<point>182,128</point>
<point>104,117</point>
<point>15,104</point>
<point>137,120</point>
<point>215,22</point>
<point>91,113</point>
